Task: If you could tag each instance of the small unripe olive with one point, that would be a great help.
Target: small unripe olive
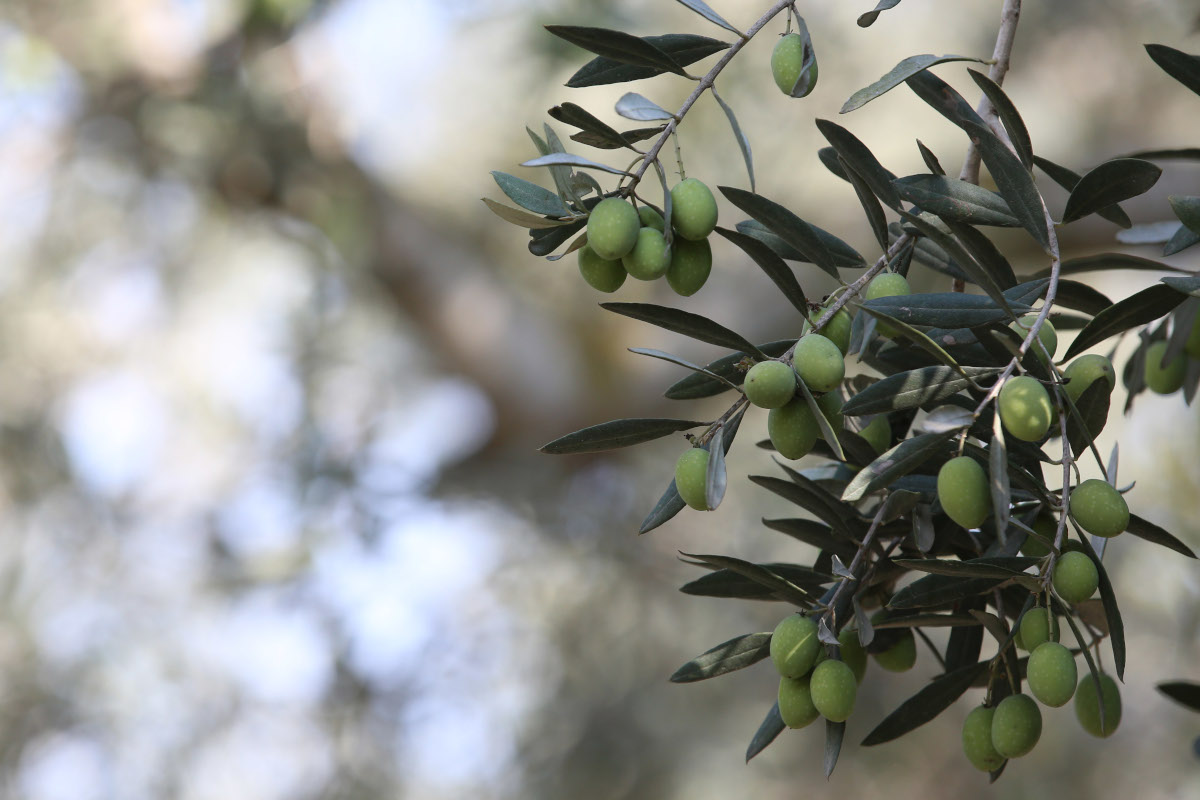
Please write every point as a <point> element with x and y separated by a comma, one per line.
<point>649,258</point>
<point>1163,378</point>
<point>838,329</point>
<point>1075,577</point>
<point>901,656</point>
<point>691,264</point>
<point>770,384</point>
<point>1046,335</point>
<point>793,429</point>
<point>794,645</point>
<point>1051,674</point>
<point>691,478</point>
<point>600,273</point>
<point>795,702</point>
<point>1036,548</point>
<point>693,209</point>
<point>1086,370</point>
<point>819,363</point>
<point>977,740</point>
<point>651,219</point>
<point>1192,345</point>
<point>878,433</point>
<point>962,489</point>
<point>830,404</point>
<point>1087,705</point>
<point>834,690</point>
<point>886,284</point>
<point>612,228</point>
<point>1025,408</point>
<point>1038,625</point>
<point>1016,725</point>
<point>786,61</point>
<point>1099,508</point>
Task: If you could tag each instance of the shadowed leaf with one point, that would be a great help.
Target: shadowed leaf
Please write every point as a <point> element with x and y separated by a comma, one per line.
<point>735,654</point>
<point>926,704</point>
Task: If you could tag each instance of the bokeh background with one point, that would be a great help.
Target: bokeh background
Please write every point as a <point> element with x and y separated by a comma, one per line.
<point>272,520</point>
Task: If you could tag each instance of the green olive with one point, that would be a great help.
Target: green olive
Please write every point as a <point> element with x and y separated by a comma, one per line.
<point>977,740</point>
<point>770,384</point>
<point>649,258</point>
<point>1016,725</point>
<point>819,363</point>
<point>1099,508</point>
<point>794,645</point>
<point>693,209</point>
<point>1075,577</point>
<point>962,489</point>
<point>793,428</point>
<point>1164,378</point>
<point>1087,705</point>
<point>612,228</point>
<point>600,273</point>
<point>1051,674</point>
<point>834,690</point>
<point>691,264</point>
<point>691,478</point>
<point>1025,409</point>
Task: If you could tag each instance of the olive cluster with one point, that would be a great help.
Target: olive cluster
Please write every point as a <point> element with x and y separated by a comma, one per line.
<point>1012,727</point>
<point>623,241</point>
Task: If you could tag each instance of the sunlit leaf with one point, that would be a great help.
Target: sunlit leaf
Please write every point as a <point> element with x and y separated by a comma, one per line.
<point>735,654</point>
<point>896,76</point>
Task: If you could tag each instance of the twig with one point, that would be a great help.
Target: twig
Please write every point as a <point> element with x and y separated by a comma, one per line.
<point>856,564</point>
<point>705,83</point>
<point>1009,16</point>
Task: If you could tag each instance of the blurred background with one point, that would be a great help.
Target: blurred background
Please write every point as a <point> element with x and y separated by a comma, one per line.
<point>272,380</point>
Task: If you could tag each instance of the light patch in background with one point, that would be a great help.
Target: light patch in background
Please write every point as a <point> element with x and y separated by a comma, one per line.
<point>113,427</point>
<point>64,766</point>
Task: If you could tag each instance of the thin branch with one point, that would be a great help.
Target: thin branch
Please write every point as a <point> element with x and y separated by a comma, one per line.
<point>705,83</point>
<point>1009,17</point>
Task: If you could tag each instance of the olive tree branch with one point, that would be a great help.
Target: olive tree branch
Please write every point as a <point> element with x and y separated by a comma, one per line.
<point>1009,16</point>
<point>705,84</point>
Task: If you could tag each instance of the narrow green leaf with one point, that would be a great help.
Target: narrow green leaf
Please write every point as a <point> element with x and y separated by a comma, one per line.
<point>737,653</point>
<point>835,733</point>
<point>771,726</point>
<point>659,354</point>
<point>955,200</point>
<point>578,117</point>
<point>812,498</point>
<point>861,160</point>
<point>1183,238</point>
<point>1189,286</point>
<point>813,533</point>
<point>560,174</point>
<point>931,161</point>
<point>1081,297</point>
<point>1014,182</point>
<point>1145,529</point>
<point>1116,628</point>
<point>1069,179</point>
<point>945,309</point>
<point>964,260</point>
<point>687,324</point>
<point>761,575</point>
<point>694,387</point>
<point>743,142</point>
<point>899,460</point>
<point>715,479</point>
<point>998,567</point>
<point>1186,693</point>
<point>522,219</point>
<point>829,158</point>
<point>1109,183</point>
<point>1007,111</point>
<point>870,205</point>
<point>628,138</point>
<point>844,256</point>
<point>913,389</point>
<point>684,48</point>
<point>530,196</point>
<point>936,590</point>
<point>775,268</point>
<point>1188,211</point>
<point>1168,154</point>
<point>636,107</point>
<point>917,338</point>
<point>865,20</point>
<point>896,76</point>
<point>931,620</point>
<point>729,584</point>
<point>570,160</point>
<point>986,255</point>
<point>783,223</point>
<point>617,433</point>
<point>1110,261</point>
<point>703,9</point>
<point>827,432</point>
<point>1179,65</point>
<point>1092,409</point>
<point>624,48</point>
<point>925,705</point>
<point>1136,310</point>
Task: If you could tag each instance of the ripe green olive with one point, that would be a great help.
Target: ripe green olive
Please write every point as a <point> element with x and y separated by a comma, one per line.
<point>1086,370</point>
<point>878,433</point>
<point>1051,674</point>
<point>1075,577</point>
<point>612,228</point>
<point>1038,625</point>
<point>977,740</point>
<point>1099,508</point>
<point>1192,345</point>
<point>649,258</point>
<point>1087,705</point>
<point>1036,548</point>
<point>787,59</point>
<point>819,363</point>
<point>1025,408</point>
<point>600,273</point>
<point>886,284</point>
<point>962,489</point>
<point>1046,335</point>
<point>795,702</point>
<point>1163,378</point>
<point>691,478</point>
<point>693,209</point>
<point>1016,725</point>
<point>838,329</point>
<point>770,384</point>
<point>901,656</point>
<point>793,429</point>
<point>691,264</point>
<point>794,645</point>
<point>651,219</point>
<point>830,404</point>
<point>834,690</point>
